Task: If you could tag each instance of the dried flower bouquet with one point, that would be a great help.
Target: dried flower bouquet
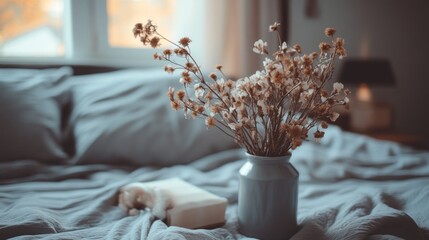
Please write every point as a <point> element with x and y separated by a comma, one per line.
<point>270,112</point>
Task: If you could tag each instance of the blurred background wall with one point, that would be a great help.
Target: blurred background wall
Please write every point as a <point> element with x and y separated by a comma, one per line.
<point>394,29</point>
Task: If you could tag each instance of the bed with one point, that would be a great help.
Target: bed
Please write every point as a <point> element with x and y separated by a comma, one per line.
<point>68,143</point>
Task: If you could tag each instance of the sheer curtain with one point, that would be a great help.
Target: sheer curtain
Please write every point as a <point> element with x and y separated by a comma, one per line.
<point>223,32</point>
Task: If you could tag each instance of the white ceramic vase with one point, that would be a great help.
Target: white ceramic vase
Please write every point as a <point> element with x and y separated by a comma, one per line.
<point>267,198</point>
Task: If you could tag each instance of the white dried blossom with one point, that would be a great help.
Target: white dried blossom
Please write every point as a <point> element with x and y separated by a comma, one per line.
<point>338,86</point>
<point>260,47</point>
<point>334,116</point>
<point>284,46</point>
<point>238,93</point>
<point>274,27</point>
<point>185,80</point>
<point>267,62</point>
<point>199,91</point>
<point>306,95</point>
<point>346,100</point>
<point>235,126</point>
<point>170,93</point>
<point>303,97</point>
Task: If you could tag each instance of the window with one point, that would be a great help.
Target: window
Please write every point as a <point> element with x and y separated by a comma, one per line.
<point>31,28</point>
<point>85,32</point>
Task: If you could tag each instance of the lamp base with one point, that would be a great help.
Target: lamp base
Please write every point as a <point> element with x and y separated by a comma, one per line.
<point>370,117</point>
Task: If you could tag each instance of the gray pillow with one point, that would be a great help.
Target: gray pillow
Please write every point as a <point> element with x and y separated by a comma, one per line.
<point>30,114</point>
<point>125,117</point>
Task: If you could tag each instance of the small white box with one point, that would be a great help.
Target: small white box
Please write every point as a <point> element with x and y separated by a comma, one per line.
<point>193,207</point>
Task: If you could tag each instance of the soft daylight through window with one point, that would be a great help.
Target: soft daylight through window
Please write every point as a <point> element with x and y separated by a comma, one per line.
<point>31,28</point>
<point>123,13</point>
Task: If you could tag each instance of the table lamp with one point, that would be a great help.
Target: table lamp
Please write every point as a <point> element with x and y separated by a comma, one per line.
<point>366,114</point>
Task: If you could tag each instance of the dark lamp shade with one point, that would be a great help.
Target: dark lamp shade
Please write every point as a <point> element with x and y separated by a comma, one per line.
<point>373,72</point>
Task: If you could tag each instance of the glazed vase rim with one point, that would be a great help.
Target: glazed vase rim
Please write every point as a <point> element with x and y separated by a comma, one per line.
<point>268,160</point>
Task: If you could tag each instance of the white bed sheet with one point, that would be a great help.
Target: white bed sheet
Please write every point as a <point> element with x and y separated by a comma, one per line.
<point>351,187</point>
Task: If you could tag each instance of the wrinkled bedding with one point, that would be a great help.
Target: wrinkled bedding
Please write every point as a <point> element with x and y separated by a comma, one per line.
<point>351,187</point>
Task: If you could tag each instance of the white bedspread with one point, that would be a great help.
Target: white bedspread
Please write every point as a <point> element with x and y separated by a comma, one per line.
<point>351,187</point>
